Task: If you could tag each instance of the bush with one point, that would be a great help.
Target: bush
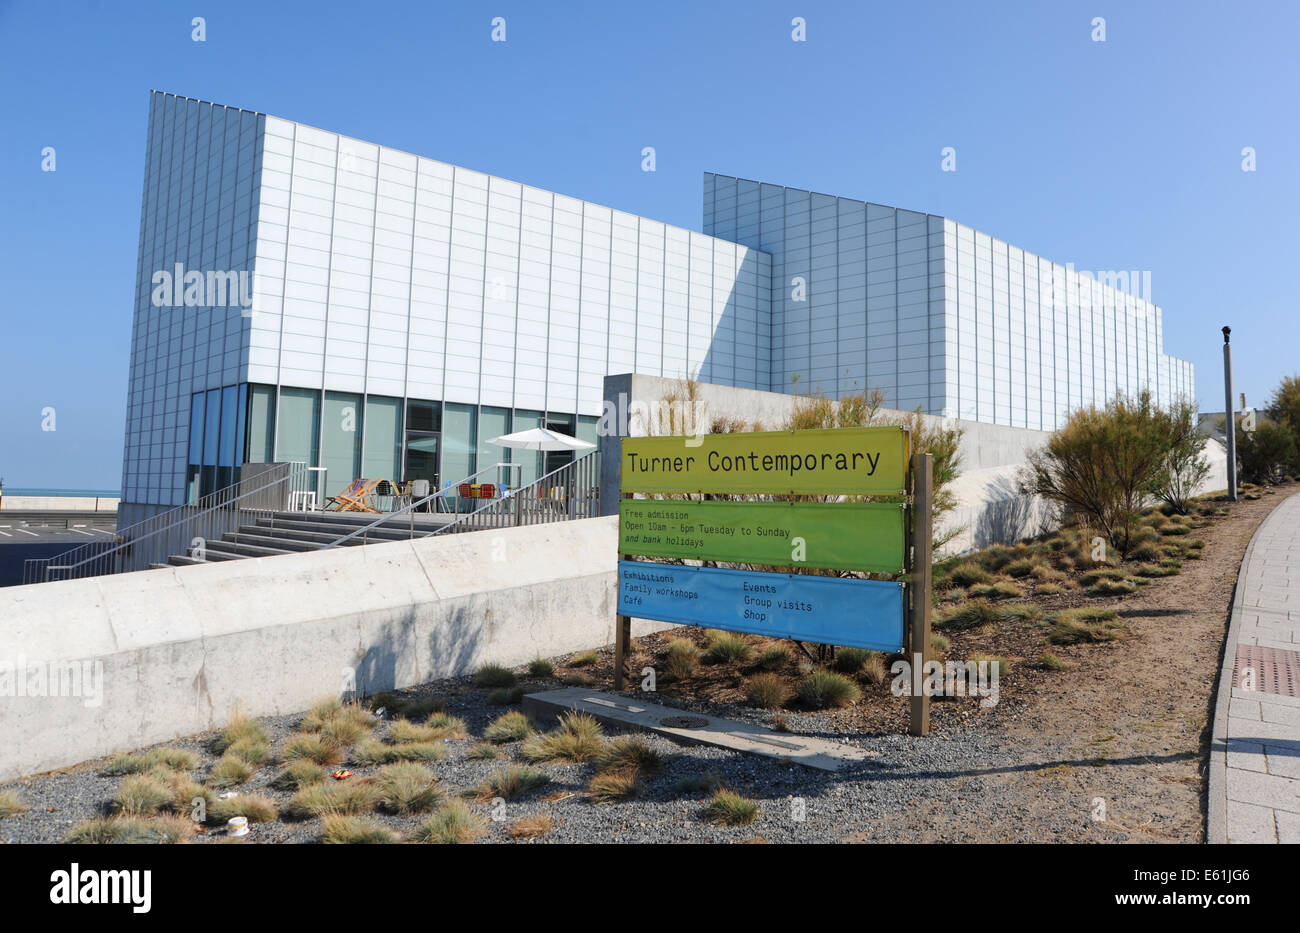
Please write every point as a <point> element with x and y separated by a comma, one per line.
<point>628,753</point>
<point>313,746</point>
<point>1000,590</point>
<point>141,794</point>
<point>586,659</point>
<point>494,675</point>
<point>681,659</point>
<point>1264,452</point>
<point>540,668</point>
<point>453,824</point>
<point>229,771</point>
<point>406,787</point>
<point>822,689</point>
<point>506,696</point>
<point>773,658</point>
<point>968,615</point>
<point>355,831</point>
<point>969,574</point>
<point>1103,463</point>
<point>297,775</point>
<point>509,727</point>
<point>730,809</point>
<point>239,728</point>
<point>1022,568</point>
<point>613,786</point>
<point>851,660</point>
<point>352,796</point>
<point>1185,466</point>
<point>766,691</point>
<point>578,738</point>
<point>511,782</point>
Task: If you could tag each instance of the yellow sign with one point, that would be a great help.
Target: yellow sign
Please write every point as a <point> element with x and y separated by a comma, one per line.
<point>836,461</point>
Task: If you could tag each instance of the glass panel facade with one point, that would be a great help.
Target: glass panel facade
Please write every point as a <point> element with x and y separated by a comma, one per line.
<point>261,425</point>
<point>493,422</point>
<point>196,449</point>
<point>383,448</point>
<point>458,442</point>
<point>530,461</point>
<point>340,434</point>
<point>298,430</point>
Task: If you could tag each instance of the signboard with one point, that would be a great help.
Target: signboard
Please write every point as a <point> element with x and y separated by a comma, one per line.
<point>828,610</point>
<point>829,535</point>
<point>837,461</point>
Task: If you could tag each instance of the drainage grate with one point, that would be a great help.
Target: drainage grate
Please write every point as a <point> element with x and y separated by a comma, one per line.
<point>684,722</point>
<point>1275,670</point>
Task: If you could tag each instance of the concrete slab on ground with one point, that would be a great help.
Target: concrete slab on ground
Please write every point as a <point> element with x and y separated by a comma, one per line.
<point>693,728</point>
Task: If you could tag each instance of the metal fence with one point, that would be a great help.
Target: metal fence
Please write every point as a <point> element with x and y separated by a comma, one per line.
<point>179,530</point>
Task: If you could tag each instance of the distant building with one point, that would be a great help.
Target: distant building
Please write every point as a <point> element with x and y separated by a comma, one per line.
<point>306,296</point>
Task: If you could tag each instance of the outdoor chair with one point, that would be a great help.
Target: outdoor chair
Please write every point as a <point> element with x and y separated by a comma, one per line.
<point>356,498</point>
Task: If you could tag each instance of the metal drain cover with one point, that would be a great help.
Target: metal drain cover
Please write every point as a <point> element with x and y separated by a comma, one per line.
<point>683,722</point>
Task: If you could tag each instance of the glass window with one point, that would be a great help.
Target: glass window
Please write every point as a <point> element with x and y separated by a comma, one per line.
<point>298,431</point>
<point>458,442</point>
<point>493,422</point>
<point>211,437</point>
<point>261,425</point>
<point>562,423</point>
<point>383,454</point>
<point>423,416</point>
<point>229,425</point>
<point>341,440</point>
<point>196,449</point>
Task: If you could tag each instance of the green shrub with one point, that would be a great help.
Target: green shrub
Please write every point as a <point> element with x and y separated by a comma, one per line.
<point>586,659</point>
<point>578,738</point>
<point>730,809</point>
<point>406,787</point>
<point>851,660</point>
<point>969,574</point>
<point>773,658</point>
<point>452,824</point>
<point>540,668</point>
<point>229,771</point>
<point>822,689</point>
<point>504,696</point>
<point>971,614</point>
<point>766,691</point>
<point>297,775</point>
<point>511,782</point>
<point>355,831</point>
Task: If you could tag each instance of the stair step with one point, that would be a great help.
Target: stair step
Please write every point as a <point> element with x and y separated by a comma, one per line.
<point>272,541</point>
<point>246,550</point>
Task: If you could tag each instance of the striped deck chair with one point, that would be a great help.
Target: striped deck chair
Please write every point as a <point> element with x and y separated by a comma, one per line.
<point>356,498</point>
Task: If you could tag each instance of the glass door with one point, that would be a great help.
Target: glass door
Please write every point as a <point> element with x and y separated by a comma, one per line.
<point>423,436</point>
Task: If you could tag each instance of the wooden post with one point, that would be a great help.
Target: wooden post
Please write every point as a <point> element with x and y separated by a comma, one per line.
<point>922,560</point>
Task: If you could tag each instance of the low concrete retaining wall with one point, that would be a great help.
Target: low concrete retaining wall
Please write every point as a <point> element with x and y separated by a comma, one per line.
<point>58,504</point>
<point>164,653</point>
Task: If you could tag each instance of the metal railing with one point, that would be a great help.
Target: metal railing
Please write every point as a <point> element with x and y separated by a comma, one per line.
<point>175,531</point>
<point>570,492</point>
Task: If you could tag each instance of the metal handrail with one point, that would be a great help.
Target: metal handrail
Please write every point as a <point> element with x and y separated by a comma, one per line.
<point>410,509</point>
<point>578,483</point>
<point>110,560</point>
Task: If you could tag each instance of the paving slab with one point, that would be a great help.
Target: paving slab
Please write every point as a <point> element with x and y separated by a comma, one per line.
<point>1254,793</point>
<point>691,728</point>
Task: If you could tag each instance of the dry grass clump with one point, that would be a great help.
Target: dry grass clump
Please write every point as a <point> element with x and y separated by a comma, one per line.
<point>1075,626</point>
<point>298,774</point>
<point>140,795</point>
<point>727,647</point>
<point>1114,587</point>
<point>531,827</point>
<point>313,746</point>
<point>513,726</point>
<point>681,659</point>
<point>343,723</point>
<point>241,728</point>
<point>1051,662</point>
<point>540,668</point>
<point>483,751</point>
<point>1049,589</point>
<point>628,753</point>
<point>511,783</point>
<point>578,738</point>
<point>766,691</point>
<point>772,658</point>
<point>352,796</point>
<point>372,752</point>
<point>613,786</point>
<point>412,708</point>
<point>254,807</point>
<point>494,675</point>
<point>337,829</point>
<point>826,689</point>
<point>1000,590</point>
<point>506,696</point>
<point>129,830</point>
<point>230,771</point>
<point>406,787</point>
<point>968,574</point>
<point>453,823</point>
<point>10,803</point>
<point>255,753</point>
<point>586,659</point>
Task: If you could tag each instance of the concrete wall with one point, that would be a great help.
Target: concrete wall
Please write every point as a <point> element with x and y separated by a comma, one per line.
<point>990,509</point>
<point>179,648</point>
<point>58,504</point>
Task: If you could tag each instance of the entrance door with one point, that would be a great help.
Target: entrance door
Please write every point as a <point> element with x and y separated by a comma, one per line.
<point>422,458</point>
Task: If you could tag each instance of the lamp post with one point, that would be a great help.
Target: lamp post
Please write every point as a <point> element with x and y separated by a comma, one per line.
<point>1229,415</point>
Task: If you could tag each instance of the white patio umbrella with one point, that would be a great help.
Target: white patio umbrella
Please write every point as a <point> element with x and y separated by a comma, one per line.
<point>540,439</point>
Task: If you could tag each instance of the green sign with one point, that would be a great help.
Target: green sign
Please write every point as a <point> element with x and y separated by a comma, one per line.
<point>864,536</point>
<point>837,461</point>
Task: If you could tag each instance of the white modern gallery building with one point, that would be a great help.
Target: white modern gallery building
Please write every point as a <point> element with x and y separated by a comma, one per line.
<point>306,296</point>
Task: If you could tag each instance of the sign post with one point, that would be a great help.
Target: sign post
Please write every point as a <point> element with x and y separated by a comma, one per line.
<point>922,547</point>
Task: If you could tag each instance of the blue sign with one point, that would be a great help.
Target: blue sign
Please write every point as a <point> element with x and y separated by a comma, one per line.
<point>824,610</point>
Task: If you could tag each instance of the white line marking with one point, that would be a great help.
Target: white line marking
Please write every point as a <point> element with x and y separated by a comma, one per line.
<point>6,534</point>
<point>80,532</point>
<point>26,532</point>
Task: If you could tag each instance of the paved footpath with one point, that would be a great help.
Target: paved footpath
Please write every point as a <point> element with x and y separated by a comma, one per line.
<point>1254,791</point>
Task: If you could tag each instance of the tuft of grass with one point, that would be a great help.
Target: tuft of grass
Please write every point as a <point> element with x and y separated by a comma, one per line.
<point>494,675</point>
<point>372,752</point>
<point>453,823</point>
<point>313,746</point>
<point>823,689</point>
<point>348,797</point>
<point>240,728</point>
<point>483,751</point>
<point>969,573</point>
<point>506,696</point>
<point>681,659</point>
<point>173,759</point>
<point>127,764</point>
<point>255,753</point>
<point>337,829</point>
<point>403,731</point>
<point>297,775</point>
<point>1002,665</point>
<point>766,691</point>
<point>509,727</point>
<point>447,726</point>
<point>1113,587</point>
<point>586,659</point>
<point>1049,589</point>
<point>10,803</point>
<point>406,787</point>
<point>999,590</point>
<point>1175,529</point>
<point>1020,611</point>
<point>511,783</point>
<point>531,827</point>
<point>873,672</point>
<point>409,707</point>
<point>613,786</point>
<point>851,660</point>
<point>255,807</point>
<point>129,830</point>
<point>939,643</point>
<point>727,647</point>
<point>773,658</point>
<point>1075,626</point>
<point>344,723</point>
<point>1159,570</point>
<point>1051,662</point>
<point>971,614</point>
<point>628,753</point>
<point>230,771</point>
<point>730,809</point>
<point>141,794</point>
<point>540,668</point>
<point>576,680</point>
<point>1024,567</point>
<point>578,738</point>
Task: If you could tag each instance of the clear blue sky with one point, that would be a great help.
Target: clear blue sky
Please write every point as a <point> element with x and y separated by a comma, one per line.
<point>1117,155</point>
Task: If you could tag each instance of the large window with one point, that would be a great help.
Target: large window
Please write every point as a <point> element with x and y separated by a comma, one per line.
<point>382,458</point>
<point>458,442</point>
<point>493,422</point>
<point>340,432</point>
<point>298,434</point>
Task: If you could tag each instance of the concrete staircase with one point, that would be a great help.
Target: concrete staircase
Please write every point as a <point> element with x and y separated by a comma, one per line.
<point>289,532</point>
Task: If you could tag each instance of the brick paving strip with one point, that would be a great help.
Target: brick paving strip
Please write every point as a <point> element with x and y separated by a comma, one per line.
<point>1254,787</point>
